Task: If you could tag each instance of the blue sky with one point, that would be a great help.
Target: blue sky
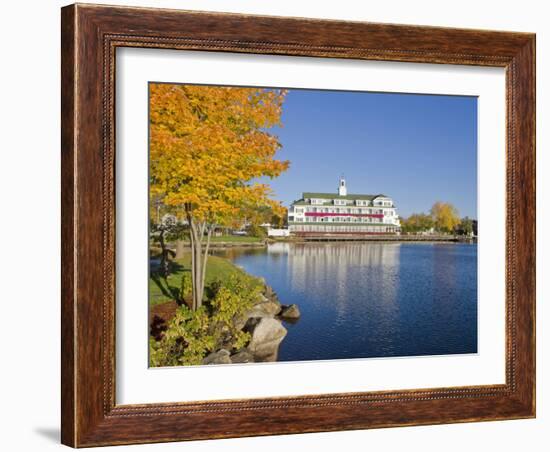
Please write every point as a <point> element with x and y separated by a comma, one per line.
<point>418,149</point>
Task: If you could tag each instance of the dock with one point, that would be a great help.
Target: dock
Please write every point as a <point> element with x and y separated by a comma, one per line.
<point>318,237</point>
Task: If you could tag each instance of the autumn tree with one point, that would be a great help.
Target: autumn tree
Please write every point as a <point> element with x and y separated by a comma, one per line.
<point>417,222</point>
<point>209,147</point>
<point>256,217</point>
<point>445,216</point>
<point>279,219</point>
<point>466,226</point>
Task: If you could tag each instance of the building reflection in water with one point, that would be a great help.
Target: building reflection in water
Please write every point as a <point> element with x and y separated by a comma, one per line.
<point>353,281</point>
<point>345,266</point>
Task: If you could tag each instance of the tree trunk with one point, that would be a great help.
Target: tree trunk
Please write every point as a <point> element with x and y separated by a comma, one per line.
<point>196,262</point>
<point>180,247</point>
<point>198,258</point>
<point>199,288</point>
<point>209,235</point>
<point>163,256</point>
<point>193,264</point>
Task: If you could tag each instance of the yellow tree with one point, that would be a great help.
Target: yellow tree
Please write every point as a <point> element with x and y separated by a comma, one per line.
<point>417,222</point>
<point>209,148</point>
<point>445,216</point>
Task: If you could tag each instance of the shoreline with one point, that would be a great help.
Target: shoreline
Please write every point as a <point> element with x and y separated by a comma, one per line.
<point>345,239</point>
<point>384,238</point>
<point>264,321</point>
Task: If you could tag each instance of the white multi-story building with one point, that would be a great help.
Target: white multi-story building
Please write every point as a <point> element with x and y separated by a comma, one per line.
<point>340,213</point>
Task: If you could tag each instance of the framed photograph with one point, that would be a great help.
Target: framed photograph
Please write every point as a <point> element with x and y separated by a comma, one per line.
<point>282,225</point>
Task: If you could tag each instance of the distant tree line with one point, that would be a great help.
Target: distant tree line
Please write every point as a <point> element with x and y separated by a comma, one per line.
<point>442,218</point>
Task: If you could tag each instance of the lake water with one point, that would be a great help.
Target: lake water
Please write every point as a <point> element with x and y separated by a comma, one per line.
<point>361,300</point>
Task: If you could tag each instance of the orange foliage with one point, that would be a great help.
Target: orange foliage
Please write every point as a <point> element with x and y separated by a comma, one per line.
<point>209,145</point>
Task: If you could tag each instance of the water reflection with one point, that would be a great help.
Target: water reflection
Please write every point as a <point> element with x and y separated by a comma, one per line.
<point>371,299</point>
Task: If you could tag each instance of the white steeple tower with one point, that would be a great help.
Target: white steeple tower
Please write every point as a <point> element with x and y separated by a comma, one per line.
<point>342,190</point>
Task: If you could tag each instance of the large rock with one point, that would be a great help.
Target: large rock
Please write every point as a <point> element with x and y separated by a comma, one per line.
<point>267,334</point>
<point>219,357</point>
<point>266,308</point>
<point>290,312</point>
<point>243,356</point>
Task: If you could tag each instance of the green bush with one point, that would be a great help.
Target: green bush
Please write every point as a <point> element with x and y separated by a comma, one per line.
<point>255,230</point>
<point>191,335</point>
<point>186,287</point>
<point>231,300</point>
<point>186,341</point>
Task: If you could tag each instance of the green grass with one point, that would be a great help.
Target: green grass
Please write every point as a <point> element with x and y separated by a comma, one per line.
<point>216,268</point>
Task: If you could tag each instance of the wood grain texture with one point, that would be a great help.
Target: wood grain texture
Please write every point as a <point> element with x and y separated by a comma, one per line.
<point>90,36</point>
<point>67,225</point>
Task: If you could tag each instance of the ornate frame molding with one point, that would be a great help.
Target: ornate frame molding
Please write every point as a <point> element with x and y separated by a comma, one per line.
<point>90,37</point>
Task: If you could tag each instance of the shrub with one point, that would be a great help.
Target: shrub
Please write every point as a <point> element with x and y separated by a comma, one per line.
<point>231,300</point>
<point>255,230</point>
<point>191,335</point>
<point>186,285</point>
<point>186,341</point>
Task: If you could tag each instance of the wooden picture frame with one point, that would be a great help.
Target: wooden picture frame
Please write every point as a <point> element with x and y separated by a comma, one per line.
<point>90,36</point>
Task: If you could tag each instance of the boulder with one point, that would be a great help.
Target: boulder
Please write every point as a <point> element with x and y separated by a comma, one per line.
<point>290,312</point>
<point>265,309</point>
<point>264,329</point>
<point>267,334</point>
<point>243,356</point>
<point>219,357</point>
<point>267,352</point>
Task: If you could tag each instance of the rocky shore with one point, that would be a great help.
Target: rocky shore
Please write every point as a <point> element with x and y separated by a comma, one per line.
<point>264,323</point>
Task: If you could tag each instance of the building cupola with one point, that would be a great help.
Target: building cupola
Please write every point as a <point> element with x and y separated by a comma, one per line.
<point>342,190</point>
